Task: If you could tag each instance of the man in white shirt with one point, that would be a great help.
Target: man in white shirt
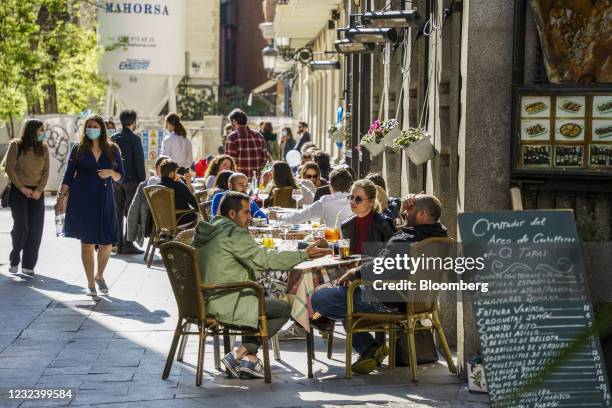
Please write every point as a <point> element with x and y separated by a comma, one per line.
<point>328,207</point>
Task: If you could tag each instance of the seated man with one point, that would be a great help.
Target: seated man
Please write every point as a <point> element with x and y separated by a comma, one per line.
<point>228,253</point>
<point>327,207</point>
<point>237,182</point>
<point>421,213</point>
<point>183,198</point>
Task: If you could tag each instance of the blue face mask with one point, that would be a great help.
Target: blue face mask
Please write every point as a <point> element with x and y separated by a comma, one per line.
<point>42,136</point>
<point>92,133</point>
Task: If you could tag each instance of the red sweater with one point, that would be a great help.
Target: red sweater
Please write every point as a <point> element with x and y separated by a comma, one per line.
<point>363,224</point>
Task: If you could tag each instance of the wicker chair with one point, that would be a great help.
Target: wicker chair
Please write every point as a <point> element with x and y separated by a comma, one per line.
<point>425,308</point>
<point>185,237</point>
<point>183,271</point>
<point>164,213</point>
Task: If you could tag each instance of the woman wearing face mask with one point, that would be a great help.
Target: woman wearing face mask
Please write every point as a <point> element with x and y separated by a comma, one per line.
<point>287,142</point>
<point>94,165</point>
<point>27,166</point>
<point>368,224</point>
<point>176,144</point>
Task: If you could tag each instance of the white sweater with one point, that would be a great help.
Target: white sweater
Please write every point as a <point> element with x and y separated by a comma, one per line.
<point>178,148</point>
<point>326,207</point>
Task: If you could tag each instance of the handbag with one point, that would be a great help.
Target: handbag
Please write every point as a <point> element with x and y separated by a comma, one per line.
<point>424,344</point>
<point>5,182</point>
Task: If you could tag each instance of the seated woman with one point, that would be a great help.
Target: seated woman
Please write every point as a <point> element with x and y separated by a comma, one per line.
<point>322,160</point>
<point>220,184</point>
<point>216,166</point>
<point>311,172</point>
<point>283,184</point>
<point>368,224</point>
<point>183,198</point>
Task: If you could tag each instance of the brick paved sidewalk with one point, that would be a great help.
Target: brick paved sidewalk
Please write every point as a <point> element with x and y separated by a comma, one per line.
<point>112,352</point>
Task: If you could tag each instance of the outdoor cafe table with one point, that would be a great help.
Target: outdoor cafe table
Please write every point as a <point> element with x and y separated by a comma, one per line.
<point>304,278</point>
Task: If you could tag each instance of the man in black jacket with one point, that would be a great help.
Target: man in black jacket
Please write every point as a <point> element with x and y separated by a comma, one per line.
<point>183,197</point>
<point>421,214</point>
<point>133,162</point>
<point>303,134</point>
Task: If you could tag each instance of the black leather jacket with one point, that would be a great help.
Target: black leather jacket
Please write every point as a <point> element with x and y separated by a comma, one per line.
<point>381,230</point>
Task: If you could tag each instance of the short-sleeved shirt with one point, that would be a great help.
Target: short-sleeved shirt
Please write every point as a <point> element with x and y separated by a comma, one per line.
<point>248,149</point>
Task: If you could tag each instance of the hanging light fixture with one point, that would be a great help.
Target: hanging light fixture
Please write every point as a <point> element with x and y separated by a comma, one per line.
<point>392,18</point>
<point>282,41</point>
<point>324,65</point>
<point>347,46</point>
<point>269,57</point>
<point>371,35</point>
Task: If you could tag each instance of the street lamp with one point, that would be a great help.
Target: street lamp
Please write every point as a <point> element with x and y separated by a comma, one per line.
<point>283,42</point>
<point>371,35</point>
<point>347,46</point>
<point>324,65</point>
<point>269,57</point>
<point>392,18</point>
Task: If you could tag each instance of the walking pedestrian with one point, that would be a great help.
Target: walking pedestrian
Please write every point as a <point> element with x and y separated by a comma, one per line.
<point>93,167</point>
<point>27,166</point>
<point>245,146</point>
<point>287,142</point>
<point>134,167</point>
<point>270,138</point>
<point>176,144</point>
<point>304,136</point>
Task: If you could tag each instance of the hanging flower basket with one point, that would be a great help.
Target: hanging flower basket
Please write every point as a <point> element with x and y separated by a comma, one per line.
<point>374,148</point>
<point>390,136</point>
<point>417,144</point>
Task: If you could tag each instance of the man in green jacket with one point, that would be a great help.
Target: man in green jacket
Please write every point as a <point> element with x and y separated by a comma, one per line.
<point>229,253</point>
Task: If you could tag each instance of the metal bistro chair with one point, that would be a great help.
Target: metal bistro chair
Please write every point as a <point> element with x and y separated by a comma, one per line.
<point>425,308</point>
<point>164,213</point>
<point>183,271</point>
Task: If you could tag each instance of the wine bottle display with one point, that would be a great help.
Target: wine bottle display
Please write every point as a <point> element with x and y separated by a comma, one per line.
<point>600,155</point>
<point>536,155</point>
<point>568,156</point>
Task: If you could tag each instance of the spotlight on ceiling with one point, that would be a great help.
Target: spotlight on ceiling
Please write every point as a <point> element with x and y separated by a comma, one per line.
<point>371,35</point>
<point>347,46</point>
<point>392,18</point>
<point>324,65</point>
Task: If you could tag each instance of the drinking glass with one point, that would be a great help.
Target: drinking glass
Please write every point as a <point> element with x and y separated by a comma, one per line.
<point>344,246</point>
<point>297,195</point>
<point>332,234</point>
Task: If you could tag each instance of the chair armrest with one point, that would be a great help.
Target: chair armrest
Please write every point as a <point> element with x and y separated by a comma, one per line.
<point>235,286</point>
<point>350,294</point>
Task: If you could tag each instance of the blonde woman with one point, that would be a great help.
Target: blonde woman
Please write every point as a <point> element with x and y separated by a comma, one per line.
<point>367,224</point>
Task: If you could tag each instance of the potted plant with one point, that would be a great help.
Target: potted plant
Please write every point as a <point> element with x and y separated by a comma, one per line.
<point>417,144</point>
<point>475,374</point>
<point>379,135</point>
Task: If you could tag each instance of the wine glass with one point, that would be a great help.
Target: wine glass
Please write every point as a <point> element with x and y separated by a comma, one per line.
<point>297,195</point>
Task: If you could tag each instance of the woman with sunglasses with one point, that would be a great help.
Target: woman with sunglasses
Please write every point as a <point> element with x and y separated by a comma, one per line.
<point>368,224</point>
<point>311,172</point>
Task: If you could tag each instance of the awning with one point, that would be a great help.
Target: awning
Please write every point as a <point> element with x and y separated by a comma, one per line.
<point>265,86</point>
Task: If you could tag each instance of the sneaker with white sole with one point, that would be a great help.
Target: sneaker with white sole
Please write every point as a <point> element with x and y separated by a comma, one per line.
<point>102,286</point>
<point>26,271</point>
<point>231,364</point>
<point>91,292</point>
<point>251,369</point>
<point>14,269</point>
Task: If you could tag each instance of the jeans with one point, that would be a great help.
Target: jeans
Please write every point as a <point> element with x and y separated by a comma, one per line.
<point>278,313</point>
<point>28,220</point>
<point>331,303</point>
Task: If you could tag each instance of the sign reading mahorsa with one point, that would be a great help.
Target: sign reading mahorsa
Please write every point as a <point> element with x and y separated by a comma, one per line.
<point>145,36</point>
<point>535,321</point>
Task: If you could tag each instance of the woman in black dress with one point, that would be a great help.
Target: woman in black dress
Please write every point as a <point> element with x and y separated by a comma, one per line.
<point>94,165</point>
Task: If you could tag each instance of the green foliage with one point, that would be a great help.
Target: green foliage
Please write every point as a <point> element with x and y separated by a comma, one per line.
<point>49,60</point>
<point>193,103</point>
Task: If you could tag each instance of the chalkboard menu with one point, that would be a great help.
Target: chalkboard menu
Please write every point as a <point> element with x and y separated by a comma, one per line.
<point>534,321</point>
<point>562,131</point>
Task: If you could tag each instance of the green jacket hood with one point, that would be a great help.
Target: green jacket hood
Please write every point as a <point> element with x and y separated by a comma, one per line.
<point>206,231</point>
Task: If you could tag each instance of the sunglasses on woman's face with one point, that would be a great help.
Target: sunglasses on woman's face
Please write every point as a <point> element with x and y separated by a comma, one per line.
<point>311,176</point>
<point>357,199</point>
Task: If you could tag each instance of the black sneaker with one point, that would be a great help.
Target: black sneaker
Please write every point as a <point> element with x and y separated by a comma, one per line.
<point>249,369</point>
